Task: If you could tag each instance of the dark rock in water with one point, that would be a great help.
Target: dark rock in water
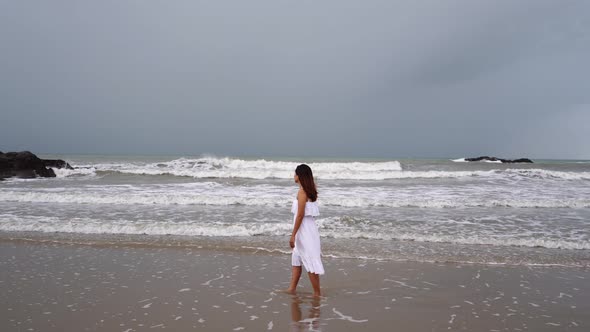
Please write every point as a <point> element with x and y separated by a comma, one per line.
<point>481,158</point>
<point>25,164</point>
<point>521,160</point>
<point>57,163</point>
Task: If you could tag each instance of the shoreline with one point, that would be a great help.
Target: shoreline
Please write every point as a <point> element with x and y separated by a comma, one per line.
<point>578,258</point>
<point>73,287</point>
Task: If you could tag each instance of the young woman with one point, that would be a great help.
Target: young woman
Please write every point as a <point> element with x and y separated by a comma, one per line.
<point>305,239</point>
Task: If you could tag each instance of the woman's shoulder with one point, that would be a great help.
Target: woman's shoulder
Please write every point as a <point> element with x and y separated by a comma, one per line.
<point>302,195</point>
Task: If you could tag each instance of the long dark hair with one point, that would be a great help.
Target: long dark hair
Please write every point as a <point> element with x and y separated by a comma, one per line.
<point>306,180</point>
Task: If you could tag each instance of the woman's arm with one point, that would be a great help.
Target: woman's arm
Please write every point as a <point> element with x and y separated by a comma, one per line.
<point>301,200</point>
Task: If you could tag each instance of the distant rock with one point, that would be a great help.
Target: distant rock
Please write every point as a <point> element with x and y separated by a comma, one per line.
<point>521,160</point>
<point>57,163</point>
<point>494,159</point>
<point>25,164</point>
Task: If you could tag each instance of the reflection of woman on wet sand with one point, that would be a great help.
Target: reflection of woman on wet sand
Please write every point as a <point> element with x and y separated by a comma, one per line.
<point>313,318</point>
<point>305,239</point>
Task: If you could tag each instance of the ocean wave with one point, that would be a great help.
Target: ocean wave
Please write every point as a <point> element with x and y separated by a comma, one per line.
<point>337,229</point>
<point>454,232</point>
<point>93,226</point>
<point>547,174</point>
<point>129,195</point>
<point>254,199</point>
<point>458,202</point>
<point>212,167</point>
<point>342,175</point>
<point>80,171</point>
<point>137,198</point>
<point>467,239</point>
<point>223,168</point>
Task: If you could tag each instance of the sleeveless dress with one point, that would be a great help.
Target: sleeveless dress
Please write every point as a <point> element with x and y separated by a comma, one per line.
<point>307,240</point>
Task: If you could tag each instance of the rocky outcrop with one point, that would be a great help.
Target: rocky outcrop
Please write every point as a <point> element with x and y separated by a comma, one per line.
<point>25,164</point>
<point>521,160</point>
<point>57,163</point>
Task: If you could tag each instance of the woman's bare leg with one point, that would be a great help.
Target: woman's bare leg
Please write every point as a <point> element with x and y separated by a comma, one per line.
<point>295,275</point>
<point>315,283</point>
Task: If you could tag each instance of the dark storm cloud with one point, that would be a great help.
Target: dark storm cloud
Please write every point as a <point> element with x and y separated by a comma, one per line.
<point>322,78</point>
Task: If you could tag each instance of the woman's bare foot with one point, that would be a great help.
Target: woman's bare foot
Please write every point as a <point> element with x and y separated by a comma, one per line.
<point>288,291</point>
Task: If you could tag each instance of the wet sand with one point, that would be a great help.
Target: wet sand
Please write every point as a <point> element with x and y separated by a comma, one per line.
<point>71,287</point>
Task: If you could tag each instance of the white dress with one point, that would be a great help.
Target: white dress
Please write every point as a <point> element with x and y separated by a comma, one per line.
<point>307,240</point>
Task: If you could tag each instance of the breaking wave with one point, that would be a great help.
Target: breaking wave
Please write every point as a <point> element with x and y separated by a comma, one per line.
<point>329,227</point>
<point>128,195</point>
<point>224,168</point>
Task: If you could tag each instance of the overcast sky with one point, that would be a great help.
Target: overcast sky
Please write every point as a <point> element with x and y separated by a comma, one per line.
<point>333,78</point>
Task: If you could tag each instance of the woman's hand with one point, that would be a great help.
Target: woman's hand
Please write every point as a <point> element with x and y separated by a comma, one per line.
<point>292,241</point>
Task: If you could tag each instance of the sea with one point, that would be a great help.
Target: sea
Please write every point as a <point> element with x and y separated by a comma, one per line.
<point>425,210</point>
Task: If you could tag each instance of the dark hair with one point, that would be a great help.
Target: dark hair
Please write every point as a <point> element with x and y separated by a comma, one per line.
<point>306,179</point>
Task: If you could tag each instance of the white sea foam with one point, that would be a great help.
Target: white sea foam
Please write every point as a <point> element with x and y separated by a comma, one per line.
<point>498,233</point>
<point>213,193</point>
<point>63,172</point>
<point>548,174</point>
<point>212,167</point>
<point>329,228</point>
<point>153,196</point>
<point>81,225</point>
<point>488,239</point>
<point>137,198</point>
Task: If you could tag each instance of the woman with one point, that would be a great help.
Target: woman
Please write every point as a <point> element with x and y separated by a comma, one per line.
<point>305,239</point>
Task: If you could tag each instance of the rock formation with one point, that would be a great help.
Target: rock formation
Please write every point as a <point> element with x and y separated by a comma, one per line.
<point>25,164</point>
<point>521,160</point>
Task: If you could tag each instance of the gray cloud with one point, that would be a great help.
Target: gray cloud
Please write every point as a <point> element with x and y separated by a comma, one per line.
<point>329,78</point>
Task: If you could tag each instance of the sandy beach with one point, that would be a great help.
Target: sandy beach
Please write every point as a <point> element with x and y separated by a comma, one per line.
<point>73,287</point>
